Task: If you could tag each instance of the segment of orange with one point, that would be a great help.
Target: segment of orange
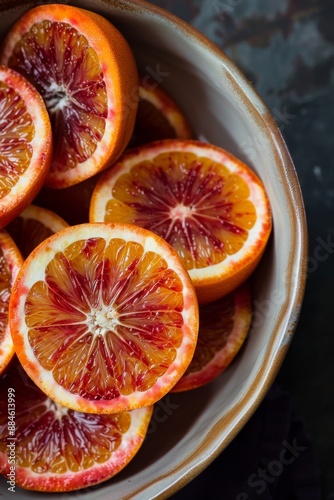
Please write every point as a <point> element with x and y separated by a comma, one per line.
<point>86,72</point>
<point>104,317</point>
<point>224,325</point>
<point>10,263</point>
<point>33,226</point>
<point>25,144</point>
<point>158,116</point>
<point>56,449</point>
<point>206,203</point>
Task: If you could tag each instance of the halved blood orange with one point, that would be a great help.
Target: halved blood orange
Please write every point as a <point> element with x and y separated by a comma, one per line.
<point>10,263</point>
<point>86,73</point>
<point>158,116</point>
<point>104,317</point>
<point>47,447</point>
<point>33,226</point>
<point>25,144</point>
<point>223,328</point>
<point>206,203</point>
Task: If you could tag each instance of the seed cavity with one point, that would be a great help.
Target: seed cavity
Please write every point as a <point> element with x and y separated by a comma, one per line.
<point>103,320</point>
<point>55,97</point>
<point>180,211</point>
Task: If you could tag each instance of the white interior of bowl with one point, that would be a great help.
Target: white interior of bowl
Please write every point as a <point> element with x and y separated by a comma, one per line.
<point>188,430</point>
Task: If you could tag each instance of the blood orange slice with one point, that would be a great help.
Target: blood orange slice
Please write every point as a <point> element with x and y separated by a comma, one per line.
<point>85,71</point>
<point>104,317</point>
<point>224,325</point>
<point>206,203</point>
<point>158,116</point>
<point>25,144</point>
<point>33,226</point>
<point>10,263</point>
<point>47,447</point>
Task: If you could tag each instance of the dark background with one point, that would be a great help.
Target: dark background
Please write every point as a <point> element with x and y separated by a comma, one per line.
<point>286,49</point>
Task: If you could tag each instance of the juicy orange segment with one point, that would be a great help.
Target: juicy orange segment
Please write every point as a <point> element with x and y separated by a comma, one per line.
<point>25,144</point>
<point>85,71</point>
<point>10,263</point>
<point>58,449</point>
<point>207,204</point>
<point>104,317</point>
<point>17,131</point>
<point>224,325</point>
<point>33,226</point>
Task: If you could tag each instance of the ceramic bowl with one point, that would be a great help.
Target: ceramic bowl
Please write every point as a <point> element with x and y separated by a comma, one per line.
<point>189,430</point>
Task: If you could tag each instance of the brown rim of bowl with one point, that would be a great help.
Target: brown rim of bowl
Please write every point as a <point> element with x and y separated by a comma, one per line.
<point>291,308</point>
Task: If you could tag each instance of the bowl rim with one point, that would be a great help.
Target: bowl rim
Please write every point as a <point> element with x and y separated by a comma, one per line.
<point>297,261</point>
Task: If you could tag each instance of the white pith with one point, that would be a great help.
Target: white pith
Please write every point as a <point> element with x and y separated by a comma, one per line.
<point>102,320</point>
<point>58,410</point>
<point>56,97</point>
<point>180,211</point>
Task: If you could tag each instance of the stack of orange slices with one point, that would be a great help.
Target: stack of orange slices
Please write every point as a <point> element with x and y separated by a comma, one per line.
<point>127,249</point>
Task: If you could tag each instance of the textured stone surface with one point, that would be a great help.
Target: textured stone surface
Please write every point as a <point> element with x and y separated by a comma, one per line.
<point>286,49</point>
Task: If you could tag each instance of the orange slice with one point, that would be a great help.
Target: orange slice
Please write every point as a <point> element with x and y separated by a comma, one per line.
<point>206,203</point>
<point>104,317</point>
<point>51,448</point>
<point>85,71</point>
<point>158,116</point>
<point>224,325</point>
<point>25,144</point>
<point>10,263</point>
<point>33,226</point>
